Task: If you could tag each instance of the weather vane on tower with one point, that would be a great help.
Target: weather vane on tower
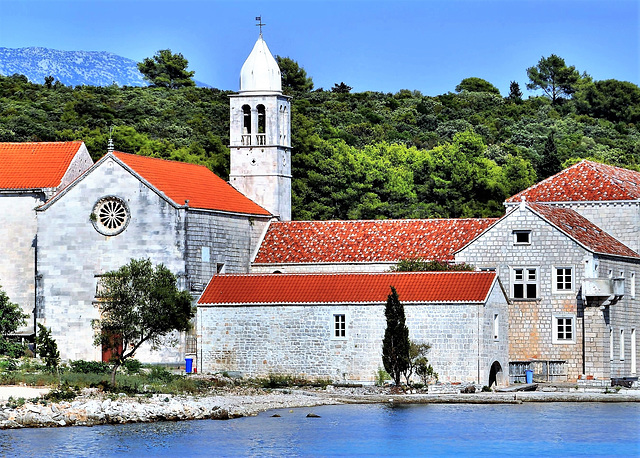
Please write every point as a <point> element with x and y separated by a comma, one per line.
<point>259,24</point>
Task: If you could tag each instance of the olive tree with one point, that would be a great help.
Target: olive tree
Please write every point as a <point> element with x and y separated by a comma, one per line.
<point>139,303</point>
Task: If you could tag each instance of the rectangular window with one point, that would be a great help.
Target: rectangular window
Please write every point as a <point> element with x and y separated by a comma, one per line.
<point>633,284</point>
<point>634,350</point>
<point>496,326</point>
<point>564,329</point>
<point>205,254</point>
<point>621,344</point>
<point>339,326</point>
<point>564,279</point>
<point>220,267</point>
<point>522,237</point>
<point>610,344</point>
<point>525,283</point>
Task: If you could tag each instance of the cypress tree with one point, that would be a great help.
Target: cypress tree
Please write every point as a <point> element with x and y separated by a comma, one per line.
<point>395,344</point>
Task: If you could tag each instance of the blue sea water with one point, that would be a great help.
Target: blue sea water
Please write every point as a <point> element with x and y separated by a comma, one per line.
<point>525,430</point>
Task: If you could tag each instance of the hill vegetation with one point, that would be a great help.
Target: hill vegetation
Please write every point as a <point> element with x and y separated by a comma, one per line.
<point>360,155</point>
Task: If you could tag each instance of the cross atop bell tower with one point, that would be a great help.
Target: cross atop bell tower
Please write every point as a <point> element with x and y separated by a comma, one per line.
<point>260,135</point>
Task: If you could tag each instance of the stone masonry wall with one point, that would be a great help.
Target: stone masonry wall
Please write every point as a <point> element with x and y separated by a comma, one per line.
<point>18,234</point>
<point>71,253</point>
<point>298,340</point>
<point>531,321</point>
<point>218,240</point>
<point>620,219</point>
<point>618,320</point>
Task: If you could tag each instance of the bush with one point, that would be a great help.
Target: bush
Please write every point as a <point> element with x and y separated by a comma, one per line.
<point>160,374</point>
<point>381,376</point>
<point>132,366</point>
<point>89,367</point>
<point>63,393</point>
<point>47,348</point>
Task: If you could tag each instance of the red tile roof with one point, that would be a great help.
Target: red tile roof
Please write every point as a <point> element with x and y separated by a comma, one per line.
<point>582,230</point>
<point>585,181</point>
<point>181,181</point>
<point>366,241</point>
<point>412,287</point>
<point>35,165</point>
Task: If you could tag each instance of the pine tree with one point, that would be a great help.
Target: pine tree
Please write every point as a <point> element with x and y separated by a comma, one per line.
<point>515,94</point>
<point>395,344</point>
<point>550,163</point>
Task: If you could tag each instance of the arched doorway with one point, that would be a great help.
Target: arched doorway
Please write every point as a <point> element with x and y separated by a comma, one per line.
<point>495,374</point>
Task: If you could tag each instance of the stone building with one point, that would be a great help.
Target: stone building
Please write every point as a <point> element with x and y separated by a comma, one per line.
<point>127,206</point>
<point>568,284</point>
<point>30,173</point>
<point>331,325</point>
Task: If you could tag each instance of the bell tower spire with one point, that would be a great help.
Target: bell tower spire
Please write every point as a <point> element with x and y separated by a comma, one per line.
<point>260,135</point>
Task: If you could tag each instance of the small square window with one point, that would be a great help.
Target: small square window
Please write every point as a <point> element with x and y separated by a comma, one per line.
<point>522,237</point>
<point>563,279</point>
<point>564,329</point>
<point>339,326</point>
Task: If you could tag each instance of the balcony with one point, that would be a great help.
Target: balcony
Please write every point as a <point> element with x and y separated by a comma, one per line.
<point>602,291</point>
<point>261,139</point>
<point>246,140</point>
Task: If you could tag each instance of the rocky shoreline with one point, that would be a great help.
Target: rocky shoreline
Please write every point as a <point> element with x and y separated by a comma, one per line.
<point>96,408</point>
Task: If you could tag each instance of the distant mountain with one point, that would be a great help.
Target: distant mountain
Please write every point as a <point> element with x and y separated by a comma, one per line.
<point>72,68</point>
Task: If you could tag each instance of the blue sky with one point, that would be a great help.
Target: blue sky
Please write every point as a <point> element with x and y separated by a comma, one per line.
<point>425,45</point>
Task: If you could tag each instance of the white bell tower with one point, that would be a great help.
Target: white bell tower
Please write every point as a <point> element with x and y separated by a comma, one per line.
<point>260,136</point>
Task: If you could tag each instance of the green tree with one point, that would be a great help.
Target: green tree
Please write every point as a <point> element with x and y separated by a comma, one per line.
<point>515,94</point>
<point>550,163</point>
<point>11,318</point>
<point>419,364</point>
<point>617,101</point>
<point>341,88</point>
<point>139,303</point>
<point>294,77</point>
<point>166,69</point>
<point>423,265</point>
<point>47,348</point>
<point>395,344</point>
<point>554,77</point>
<point>474,84</point>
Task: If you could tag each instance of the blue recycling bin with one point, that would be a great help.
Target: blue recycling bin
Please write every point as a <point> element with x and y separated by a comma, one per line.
<point>529,376</point>
<point>188,365</point>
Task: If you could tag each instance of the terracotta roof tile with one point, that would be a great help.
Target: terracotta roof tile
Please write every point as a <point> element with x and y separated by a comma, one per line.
<point>582,230</point>
<point>182,181</point>
<point>366,241</point>
<point>35,165</point>
<point>585,181</point>
<point>412,287</point>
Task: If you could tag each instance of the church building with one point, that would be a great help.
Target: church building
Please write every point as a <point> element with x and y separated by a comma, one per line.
<point>554,289</point>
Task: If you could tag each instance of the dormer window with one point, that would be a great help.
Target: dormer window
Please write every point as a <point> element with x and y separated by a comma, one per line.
<point>522,237</point>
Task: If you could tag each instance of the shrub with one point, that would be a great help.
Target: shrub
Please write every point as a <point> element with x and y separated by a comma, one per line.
<point>132,366</point>
<point>89,367</point>
<point>47,348</point>
<point>381,376</point>
<point>63,393</point>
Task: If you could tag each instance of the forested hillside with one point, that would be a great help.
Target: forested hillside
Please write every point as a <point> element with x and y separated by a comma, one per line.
<point>360,155</point>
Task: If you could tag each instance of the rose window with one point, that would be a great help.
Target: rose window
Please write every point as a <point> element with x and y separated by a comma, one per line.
<point>110,216</point>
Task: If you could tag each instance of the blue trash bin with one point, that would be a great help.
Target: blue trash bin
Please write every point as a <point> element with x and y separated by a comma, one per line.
<point>188,365</point>
<point>529,376</point>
